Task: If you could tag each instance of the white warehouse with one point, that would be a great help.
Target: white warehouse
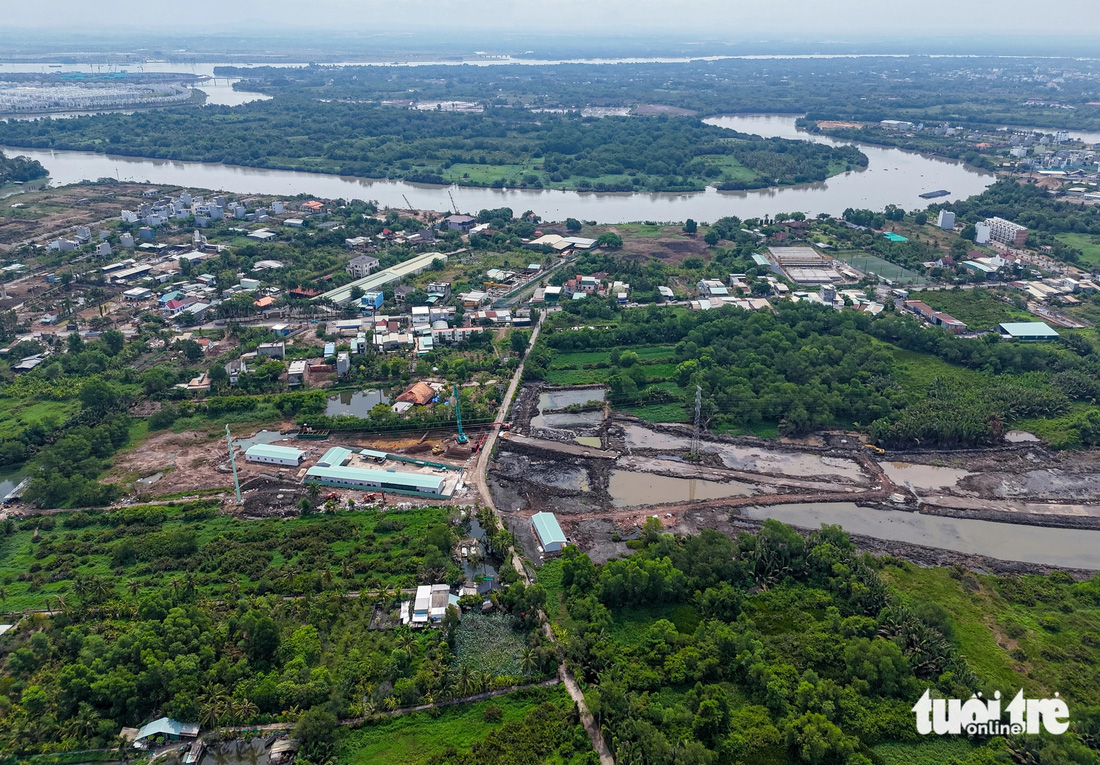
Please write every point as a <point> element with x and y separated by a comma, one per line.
<point>274,455</point>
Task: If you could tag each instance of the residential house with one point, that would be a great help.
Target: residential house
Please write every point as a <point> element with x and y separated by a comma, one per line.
<point>362,265</point>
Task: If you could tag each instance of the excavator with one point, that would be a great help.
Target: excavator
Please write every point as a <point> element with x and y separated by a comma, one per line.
<point>875,449</point>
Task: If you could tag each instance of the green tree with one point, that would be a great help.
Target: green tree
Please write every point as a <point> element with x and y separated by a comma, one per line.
<point>572,224</point>
<point>711,237</point>
<point>690,226</point>
<point>610,241</point>
<point>113,341</point>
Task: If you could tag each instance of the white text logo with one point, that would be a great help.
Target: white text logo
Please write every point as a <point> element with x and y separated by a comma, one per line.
<point>983,717</point>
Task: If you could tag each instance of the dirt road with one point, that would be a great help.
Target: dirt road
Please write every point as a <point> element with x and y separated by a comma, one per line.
<point>480,474</point>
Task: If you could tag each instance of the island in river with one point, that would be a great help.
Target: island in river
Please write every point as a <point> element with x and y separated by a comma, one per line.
<point>499,148</point>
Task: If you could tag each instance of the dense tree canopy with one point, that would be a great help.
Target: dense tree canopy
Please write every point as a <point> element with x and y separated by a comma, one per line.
<point>500,147</point>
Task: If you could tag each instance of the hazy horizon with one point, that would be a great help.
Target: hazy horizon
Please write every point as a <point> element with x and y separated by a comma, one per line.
<point>838,22</point>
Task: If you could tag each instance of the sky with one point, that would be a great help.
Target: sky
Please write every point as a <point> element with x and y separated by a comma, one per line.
<point>710,19</point>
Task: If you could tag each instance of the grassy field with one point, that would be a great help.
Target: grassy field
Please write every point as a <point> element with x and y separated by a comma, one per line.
<point>977,308</point>
<point>1088,244</point>
<point>419,737</point>
<point>18,414</point>
<point>631,624</point>
<point>916,371</point>
<point>1024,632</point>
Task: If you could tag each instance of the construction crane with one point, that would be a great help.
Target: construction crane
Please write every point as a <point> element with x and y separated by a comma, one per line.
<point>458,416</point>
<point>407,202</point>
<point>453,205</point>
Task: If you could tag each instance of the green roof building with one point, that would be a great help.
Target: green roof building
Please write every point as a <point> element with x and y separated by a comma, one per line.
<point>1027,330</point>
<point>418,484</point>
<point>549,532</point>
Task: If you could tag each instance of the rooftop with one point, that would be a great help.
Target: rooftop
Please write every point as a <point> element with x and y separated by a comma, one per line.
<point>548,528</point>
<point>279,452</point>
<point>1027,329</point>
<point>418,480</point>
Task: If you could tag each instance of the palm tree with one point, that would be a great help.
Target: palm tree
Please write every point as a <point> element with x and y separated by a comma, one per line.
<point>246,710</point>
<point>406,641</point>
<point>464,683</point>
<point>314,489</point>
<point>209,713</point>
<point>134,586</point>
<point>123,748</point>
<point>528,660</point>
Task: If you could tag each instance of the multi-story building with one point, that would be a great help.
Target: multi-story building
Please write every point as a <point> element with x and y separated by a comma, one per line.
<point>1006,232</point>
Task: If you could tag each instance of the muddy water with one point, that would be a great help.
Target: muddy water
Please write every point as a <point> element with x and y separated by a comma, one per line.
<point>356,403</point>
<point>592,441</point>
<point>750,459</point>
<point>559,399</point>
<point>792,464</point>
<point>567,420</point>
<point>1020,437</point>
<point>262,437</point>
<point>628,489</point>
<point>917,476</point>
<point>1072,548</point>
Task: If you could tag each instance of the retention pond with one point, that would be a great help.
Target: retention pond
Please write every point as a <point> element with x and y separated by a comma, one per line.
<point>1069,548</point>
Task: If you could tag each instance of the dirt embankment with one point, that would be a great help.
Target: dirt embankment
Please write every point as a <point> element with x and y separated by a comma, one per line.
<point>600,502</point>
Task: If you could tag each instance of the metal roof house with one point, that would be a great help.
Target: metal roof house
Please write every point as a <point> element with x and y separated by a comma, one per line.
<point>165,728</point>
<point>334,457</point>
<point>419,484</point>
<point>274,455</point>
<point>549,532</point>
<point>1026,330</point>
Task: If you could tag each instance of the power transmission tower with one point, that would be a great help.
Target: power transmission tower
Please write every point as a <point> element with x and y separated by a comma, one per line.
<point>233,462</point>
<point>698,420</point>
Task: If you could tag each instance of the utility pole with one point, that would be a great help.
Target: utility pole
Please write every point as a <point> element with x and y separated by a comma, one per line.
<point>233,462</point>
<point>698,420</point>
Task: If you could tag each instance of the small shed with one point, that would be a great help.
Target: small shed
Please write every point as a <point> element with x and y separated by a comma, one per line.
<point>548,531</point>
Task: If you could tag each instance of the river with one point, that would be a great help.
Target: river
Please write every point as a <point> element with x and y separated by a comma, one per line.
<point>893,176</point>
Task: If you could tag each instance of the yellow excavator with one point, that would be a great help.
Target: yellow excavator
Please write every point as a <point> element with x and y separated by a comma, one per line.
<point>875,449</point>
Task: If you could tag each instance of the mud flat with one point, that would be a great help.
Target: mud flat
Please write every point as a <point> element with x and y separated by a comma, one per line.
<point>630,489</point>
<point>752,459</point>
<point>917,476</point>
<point>1067,548</point>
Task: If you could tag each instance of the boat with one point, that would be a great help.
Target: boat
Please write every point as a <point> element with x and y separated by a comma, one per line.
<point>934,194</point>
<point>194,753</point>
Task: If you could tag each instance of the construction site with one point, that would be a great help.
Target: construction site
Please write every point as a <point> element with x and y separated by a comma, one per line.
<point>603,474</point>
